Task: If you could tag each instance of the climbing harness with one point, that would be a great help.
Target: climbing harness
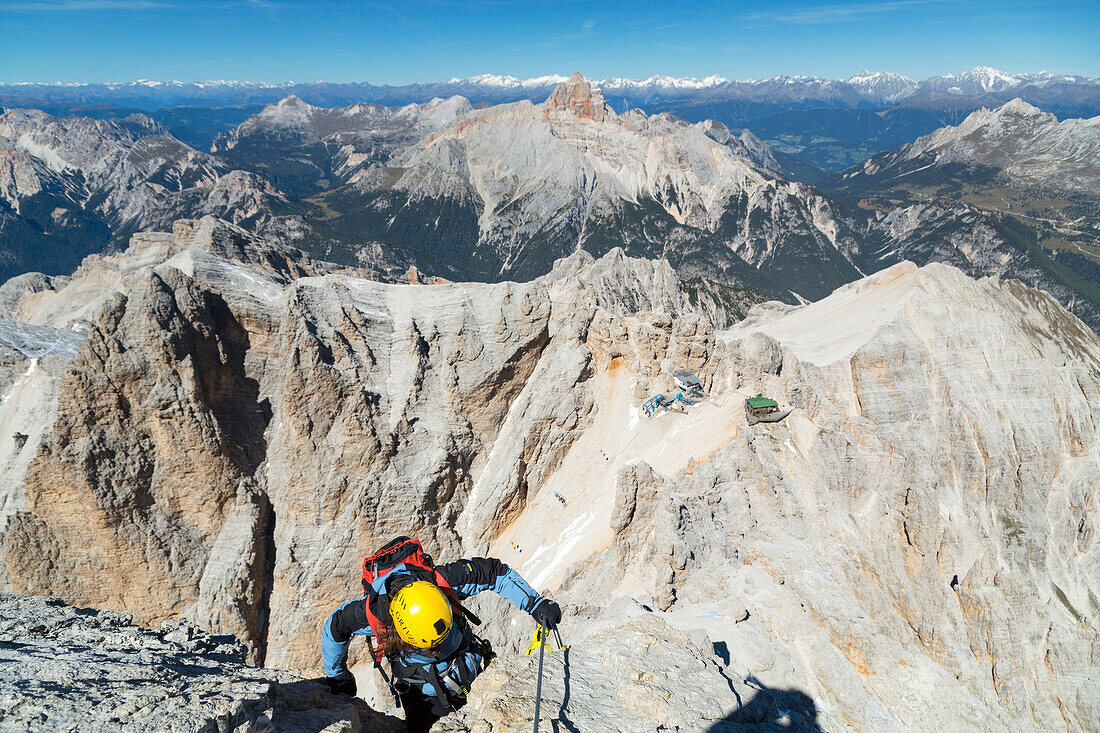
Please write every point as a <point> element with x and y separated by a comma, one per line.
<point>451,677</point>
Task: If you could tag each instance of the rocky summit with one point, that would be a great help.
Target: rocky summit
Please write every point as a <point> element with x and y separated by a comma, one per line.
<point>213,428</point>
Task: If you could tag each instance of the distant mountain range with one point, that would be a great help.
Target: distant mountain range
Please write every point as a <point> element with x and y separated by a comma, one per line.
<point>821,125</point>
<point>503,191</point>
<point>864,89</point>
<point>485,191</point>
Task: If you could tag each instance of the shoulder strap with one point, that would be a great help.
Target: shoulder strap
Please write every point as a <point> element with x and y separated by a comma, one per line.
<point>377,625</point>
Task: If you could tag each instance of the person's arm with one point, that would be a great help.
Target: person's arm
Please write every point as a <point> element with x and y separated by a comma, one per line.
<point>477,574</point>
<point>348,619</point>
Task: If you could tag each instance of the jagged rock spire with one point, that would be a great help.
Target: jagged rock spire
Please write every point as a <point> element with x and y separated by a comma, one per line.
<point>578,97</point>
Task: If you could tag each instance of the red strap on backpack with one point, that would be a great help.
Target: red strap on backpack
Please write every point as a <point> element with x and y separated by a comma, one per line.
<point>402,550</point>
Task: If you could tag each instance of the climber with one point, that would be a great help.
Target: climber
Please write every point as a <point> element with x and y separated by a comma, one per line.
<point>412,610</point>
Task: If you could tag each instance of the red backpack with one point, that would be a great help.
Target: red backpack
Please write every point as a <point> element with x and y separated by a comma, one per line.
<point>407,551</point>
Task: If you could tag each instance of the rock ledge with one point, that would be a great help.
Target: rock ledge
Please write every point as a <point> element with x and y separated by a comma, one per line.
<point>66,668</point>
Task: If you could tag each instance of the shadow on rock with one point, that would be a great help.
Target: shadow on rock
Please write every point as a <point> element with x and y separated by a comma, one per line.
<point>563,723</point>
<point>306,706</point>
<point>771,710</point>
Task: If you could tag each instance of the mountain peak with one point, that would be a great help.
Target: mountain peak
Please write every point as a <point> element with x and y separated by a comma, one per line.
<point>990,79</point>
<point>579,97</point>
<point>291,101</point>
<point>1020,107</point>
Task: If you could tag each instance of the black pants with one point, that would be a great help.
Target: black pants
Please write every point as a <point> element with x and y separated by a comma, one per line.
<point>421,712</point>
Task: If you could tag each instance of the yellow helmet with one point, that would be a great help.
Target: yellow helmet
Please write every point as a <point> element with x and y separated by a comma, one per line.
<point>421,614</point>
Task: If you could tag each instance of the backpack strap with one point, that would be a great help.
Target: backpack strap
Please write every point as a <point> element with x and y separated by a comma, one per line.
<point>377,625</point>
<point>385,678</point>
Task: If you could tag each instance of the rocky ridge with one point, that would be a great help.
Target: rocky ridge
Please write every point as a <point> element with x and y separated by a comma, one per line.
<point>974,241</point>
<point>1029,146</point>
<point>79,669</point>
<point>71,186</point>
<point>534,182</point>
<point>913,548</point>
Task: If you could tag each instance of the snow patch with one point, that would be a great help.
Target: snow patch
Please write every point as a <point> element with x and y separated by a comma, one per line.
<point>566,541</point>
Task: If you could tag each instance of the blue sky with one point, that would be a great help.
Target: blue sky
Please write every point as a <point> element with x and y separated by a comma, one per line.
<point>433,40</point>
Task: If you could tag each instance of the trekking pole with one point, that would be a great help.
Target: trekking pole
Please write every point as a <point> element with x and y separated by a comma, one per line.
<point>541,634</point>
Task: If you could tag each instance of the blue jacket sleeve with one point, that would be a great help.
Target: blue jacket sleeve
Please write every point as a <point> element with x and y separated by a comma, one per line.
<point>472,576</point>
<point>348,619</point>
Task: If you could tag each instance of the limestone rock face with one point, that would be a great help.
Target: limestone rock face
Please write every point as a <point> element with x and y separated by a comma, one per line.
<point>579,98</point>
<point>131,172</point>
<point>68,668</point>
<point>32,361</point>
<point>161,388</point>
<point>910,531</point>
<point>243,424</point>
<point>640,674</point>
<point>913,548</point>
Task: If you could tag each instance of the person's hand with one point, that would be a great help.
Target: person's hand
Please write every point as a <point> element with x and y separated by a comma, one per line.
<point>547,613</point>
<point>343,684</point>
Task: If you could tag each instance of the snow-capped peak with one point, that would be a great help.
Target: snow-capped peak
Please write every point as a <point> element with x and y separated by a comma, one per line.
<point>510,82</point>
<point>884,86</point>
<point>990,79</point>
<point>870,78</point>
<point>663,82</point>
<point>489,80</point>
<point>659,81</point>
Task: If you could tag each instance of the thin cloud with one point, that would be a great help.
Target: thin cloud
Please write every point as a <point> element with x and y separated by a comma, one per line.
<point>584,32</point>
<point>837,13</point>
